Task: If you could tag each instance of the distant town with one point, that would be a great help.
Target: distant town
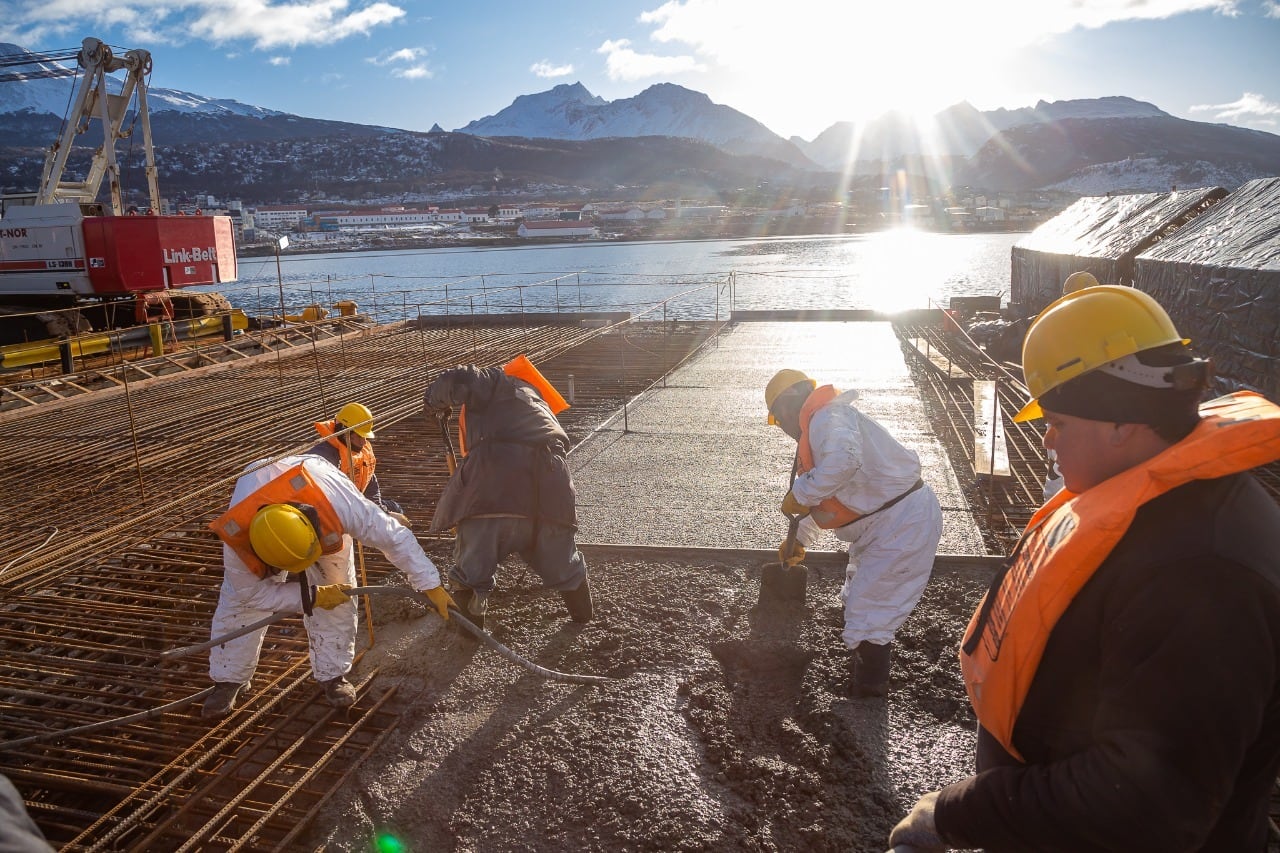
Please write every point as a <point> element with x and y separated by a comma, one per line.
<point>323,225</point>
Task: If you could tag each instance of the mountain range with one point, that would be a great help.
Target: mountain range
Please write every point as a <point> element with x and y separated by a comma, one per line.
<point>665,140</point>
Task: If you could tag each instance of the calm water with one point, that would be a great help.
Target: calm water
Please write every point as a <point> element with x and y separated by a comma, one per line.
<point>887,271</point>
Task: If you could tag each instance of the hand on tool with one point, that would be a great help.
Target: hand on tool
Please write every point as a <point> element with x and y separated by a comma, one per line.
<point>791,506</point>
<point>442,600</point>
<point>917,831</point>
<point>791,553</point>
<point>444,412</point>
<point>402,518</point>
<point>331,595</point>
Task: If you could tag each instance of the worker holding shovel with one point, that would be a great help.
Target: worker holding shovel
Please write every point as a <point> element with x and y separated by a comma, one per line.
<point>856,480</point>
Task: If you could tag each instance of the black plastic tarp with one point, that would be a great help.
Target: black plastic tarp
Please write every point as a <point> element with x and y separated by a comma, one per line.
<point>1219,279</point>
<point>1101,235</point>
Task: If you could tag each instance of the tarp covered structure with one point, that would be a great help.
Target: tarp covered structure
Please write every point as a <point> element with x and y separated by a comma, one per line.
<point>1102,235</point>
<point>1219,279</point>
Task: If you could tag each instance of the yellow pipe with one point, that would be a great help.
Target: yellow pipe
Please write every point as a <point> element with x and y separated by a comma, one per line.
<point>40,352</point>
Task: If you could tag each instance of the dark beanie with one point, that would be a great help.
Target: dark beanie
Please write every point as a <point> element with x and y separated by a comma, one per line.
<point>1099,396</point>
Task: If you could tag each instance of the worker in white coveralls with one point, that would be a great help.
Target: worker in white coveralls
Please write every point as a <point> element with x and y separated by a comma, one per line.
<point>856,480</point>
<point>295,519</point>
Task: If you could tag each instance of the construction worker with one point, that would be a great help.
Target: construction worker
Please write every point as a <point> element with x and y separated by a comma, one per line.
<point>1124,666</point>
<point>856,480</point>
<point>1053,482</point>
<point>294,519</point>
<point>512,492</point>
<point>347,442</point>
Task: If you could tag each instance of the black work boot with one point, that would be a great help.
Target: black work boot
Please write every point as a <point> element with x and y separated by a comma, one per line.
<point>579,602</point>
<point>222,700</point>
<point>470,606</point>
<point>339,692</point>
<point>871,669</point>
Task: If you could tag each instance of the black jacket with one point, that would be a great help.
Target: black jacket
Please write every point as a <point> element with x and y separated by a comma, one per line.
<point>516,449</point>
<point>1153,721</point>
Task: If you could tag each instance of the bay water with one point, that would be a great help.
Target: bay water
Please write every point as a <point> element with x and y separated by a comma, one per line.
<point>696,279</point>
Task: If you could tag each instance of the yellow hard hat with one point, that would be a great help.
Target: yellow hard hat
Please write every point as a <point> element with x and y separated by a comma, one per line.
<point>357,418</point>
<point>1078,281</point>
<point>781,381</point>
<point>1088,329</point>
<point>284,537</point>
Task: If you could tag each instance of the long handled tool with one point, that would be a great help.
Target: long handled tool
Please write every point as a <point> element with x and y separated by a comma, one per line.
<point>450,458</point>
<point>466,624</point>
<point>786,581</point>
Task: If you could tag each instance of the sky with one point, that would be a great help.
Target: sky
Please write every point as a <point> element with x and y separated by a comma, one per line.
<point>798,66</point>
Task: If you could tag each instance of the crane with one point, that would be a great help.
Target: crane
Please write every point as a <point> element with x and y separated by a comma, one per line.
<point>67,263</point>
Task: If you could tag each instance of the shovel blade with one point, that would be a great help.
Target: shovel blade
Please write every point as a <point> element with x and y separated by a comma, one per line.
<point>780,583</point>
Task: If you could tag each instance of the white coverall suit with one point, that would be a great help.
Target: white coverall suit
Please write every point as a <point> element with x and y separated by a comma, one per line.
<point>890,552</point>
<point>331,634</point>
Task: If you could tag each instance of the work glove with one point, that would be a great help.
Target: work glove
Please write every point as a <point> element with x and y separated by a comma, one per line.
<point>331,595</point>
<point>791,506</point>
<point>917,832</point>
<point>445,412</point>
<point>442,600</point>
<point>402,518</point>
<point>792,556</point>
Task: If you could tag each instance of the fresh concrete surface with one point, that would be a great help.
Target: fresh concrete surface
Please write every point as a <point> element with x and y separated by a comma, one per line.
<point>694,462</point>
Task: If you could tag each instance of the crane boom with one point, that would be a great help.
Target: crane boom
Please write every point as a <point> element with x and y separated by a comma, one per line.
<point>94,100</point>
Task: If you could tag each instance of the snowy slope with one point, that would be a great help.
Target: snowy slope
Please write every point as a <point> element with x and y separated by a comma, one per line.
<point>570,111</point>
<point>53,94</point>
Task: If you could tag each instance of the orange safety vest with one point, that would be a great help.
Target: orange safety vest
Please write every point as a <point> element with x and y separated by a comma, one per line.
<point>519,367</point>
<point>830,513</point>
<point>1072,534</point>
<point>293,486</point>
<point>358,466</point>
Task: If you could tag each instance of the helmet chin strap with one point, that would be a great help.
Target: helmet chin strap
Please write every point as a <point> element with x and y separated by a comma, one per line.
<point>307,591</point>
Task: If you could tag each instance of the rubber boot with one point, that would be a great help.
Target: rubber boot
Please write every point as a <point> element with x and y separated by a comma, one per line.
<point>471,607</point>
<point>222,700</point>
<point>871,669</point>
<point>339,692</point>
<point>579,602</point>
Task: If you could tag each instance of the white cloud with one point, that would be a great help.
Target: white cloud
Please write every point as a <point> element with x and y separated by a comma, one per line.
<point>1251,110</point>
<point>623,63</point>
<point>407,60</point>
<point>809,57</point>
<point>1271,8</point>
<point>732,32</point>
<point>266,24</point>
<point>278,60</point>
<point>546,69</point>
<point>413,72</point>
<point>404,54</point>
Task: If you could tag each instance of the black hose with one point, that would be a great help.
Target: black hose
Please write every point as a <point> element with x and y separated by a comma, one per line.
<point>483,636</point>
<point>107,724</point>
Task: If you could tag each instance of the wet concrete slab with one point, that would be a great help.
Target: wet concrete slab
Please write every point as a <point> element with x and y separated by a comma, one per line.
<point>694,463</point>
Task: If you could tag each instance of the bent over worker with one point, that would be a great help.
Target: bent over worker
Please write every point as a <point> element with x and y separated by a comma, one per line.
<point>1124,665</point>
<point>294,519</point>
<point>857,480</point>
<point>347,442</point>
<point>512,492</point>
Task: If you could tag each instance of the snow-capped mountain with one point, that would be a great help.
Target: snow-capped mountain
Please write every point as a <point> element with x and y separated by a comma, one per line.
<point>174,100</point>
<point>51,94</point>
<point>957,131</point>
<point>570,111</point>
